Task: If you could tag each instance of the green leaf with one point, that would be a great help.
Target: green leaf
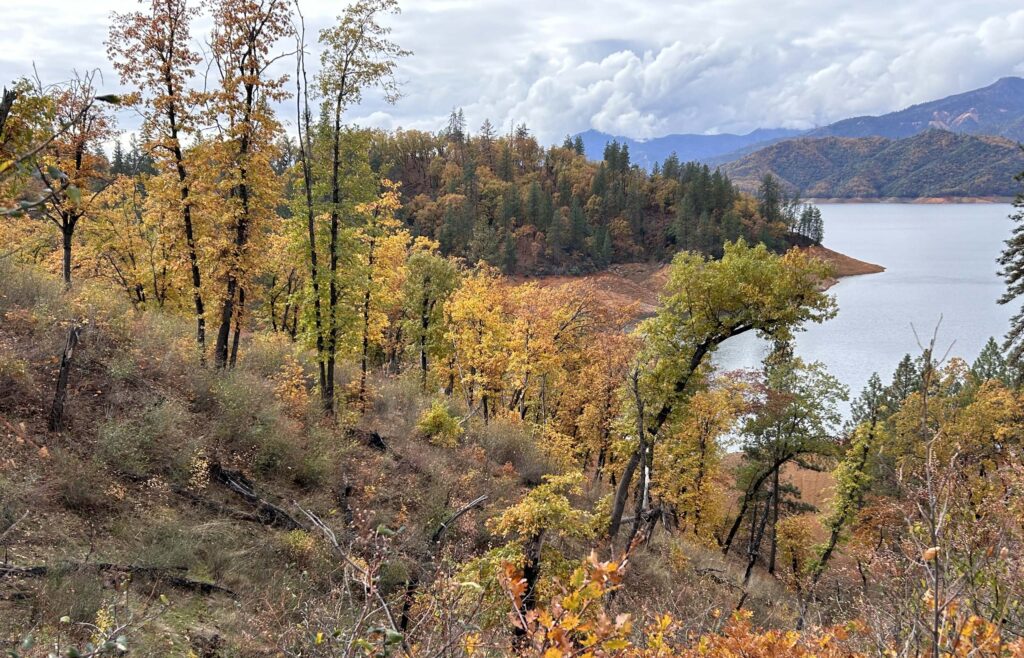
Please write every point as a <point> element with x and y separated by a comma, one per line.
<point>74,194</point>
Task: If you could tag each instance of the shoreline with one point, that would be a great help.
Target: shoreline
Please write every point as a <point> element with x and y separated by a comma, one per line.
<point>923,200</point>
<point>636,287</point>
<point>845,266</point>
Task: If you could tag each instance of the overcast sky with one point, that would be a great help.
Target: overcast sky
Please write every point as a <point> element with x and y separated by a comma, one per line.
<point>640,68</point>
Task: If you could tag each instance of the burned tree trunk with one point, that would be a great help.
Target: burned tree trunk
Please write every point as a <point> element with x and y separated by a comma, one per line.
<point>61,394</point>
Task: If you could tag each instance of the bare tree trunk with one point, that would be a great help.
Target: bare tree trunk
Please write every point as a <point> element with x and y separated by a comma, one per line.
<point>61,394</point>
<point>238,327</point>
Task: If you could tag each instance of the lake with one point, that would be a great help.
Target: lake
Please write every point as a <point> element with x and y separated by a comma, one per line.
<point>940,263</point>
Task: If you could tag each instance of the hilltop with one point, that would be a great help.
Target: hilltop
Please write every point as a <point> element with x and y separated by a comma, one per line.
<point>936,163</point>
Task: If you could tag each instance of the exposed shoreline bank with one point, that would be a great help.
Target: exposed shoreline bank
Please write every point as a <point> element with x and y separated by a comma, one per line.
<point>636,287</point>
<point>924,200</point>
<point>843,265</point>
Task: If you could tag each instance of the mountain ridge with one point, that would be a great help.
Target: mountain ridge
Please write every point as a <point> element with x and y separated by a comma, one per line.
<point>996,109</point>
<point>935,163</point>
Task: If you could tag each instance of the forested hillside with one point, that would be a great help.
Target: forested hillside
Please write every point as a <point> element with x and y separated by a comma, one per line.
<point>272,396</point>
<point>507,200</point>
<point>936,163</point>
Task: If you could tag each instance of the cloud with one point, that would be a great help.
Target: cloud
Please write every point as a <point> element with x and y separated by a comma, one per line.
<point>640,69</point>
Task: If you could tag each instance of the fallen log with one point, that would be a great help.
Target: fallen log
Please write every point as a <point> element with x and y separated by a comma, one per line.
<point>160,574</point>
<point>269,513</point>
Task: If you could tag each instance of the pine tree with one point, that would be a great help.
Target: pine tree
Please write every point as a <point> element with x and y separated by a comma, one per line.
<point>1012,262</point>
<point>577,145</point>
<point>906,380</point>
<point>991,365</point>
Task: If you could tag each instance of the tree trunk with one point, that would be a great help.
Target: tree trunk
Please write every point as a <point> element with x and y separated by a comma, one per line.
<point>61,394</point>
<point>773,550</point>
<point>67,231</point>
<point>622,493</point>
<point>364,363</point>
<point>424,326</point>
<point>747,498</point>
<point>238,326</point>
<point>755,544</point>
<point>305,150</point>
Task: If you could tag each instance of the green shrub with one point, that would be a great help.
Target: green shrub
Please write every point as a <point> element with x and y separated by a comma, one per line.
<point>158,440</point>
<point>69,592</point>
<point>439,426</point>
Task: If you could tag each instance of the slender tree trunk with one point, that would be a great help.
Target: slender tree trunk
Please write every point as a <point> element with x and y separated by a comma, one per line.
<point>775,523</point>
<point>67,231</point>
<point>365,361</point>
<point>424,327</point>
<point>238,326</point>
<point>332,284</point>
<point>186,215</point>
<point>755,544</point>
<point>305,154</point>
<point>622,493</point>
<point>748,496</point>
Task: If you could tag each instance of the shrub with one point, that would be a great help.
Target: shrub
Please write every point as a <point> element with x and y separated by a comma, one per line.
<point>27,287</point>
<point>80,486</point>
<point>69,592</point>
<point>157,440</point>
<point>439,426</point>
<point>509,442</point>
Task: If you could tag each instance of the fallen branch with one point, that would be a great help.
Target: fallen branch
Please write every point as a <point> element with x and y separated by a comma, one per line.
<point>163,574</point>
<point>10,528</point>
<point>332,538</point>
<point>269,513</point>
<point>436,537</point>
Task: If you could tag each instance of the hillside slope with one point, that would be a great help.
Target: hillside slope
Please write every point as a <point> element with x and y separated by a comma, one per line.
<point>936,163</point>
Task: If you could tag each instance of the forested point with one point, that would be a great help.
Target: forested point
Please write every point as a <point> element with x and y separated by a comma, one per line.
<point>278,385</point>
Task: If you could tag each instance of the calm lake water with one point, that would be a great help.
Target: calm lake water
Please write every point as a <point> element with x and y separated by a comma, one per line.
<point>940,263</point>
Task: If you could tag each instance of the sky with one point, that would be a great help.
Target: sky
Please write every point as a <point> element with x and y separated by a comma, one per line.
<point>636,68</point>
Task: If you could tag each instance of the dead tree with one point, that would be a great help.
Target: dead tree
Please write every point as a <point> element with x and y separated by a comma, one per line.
<point>61,394</point>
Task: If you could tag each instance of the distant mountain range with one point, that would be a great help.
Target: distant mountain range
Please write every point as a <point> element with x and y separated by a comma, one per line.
<point>997,109</point>
<point>687,147</point>
<point>944,147</point>
<point>935,163</point>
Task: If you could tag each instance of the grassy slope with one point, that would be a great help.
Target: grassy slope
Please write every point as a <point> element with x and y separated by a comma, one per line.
<point>129,483</point>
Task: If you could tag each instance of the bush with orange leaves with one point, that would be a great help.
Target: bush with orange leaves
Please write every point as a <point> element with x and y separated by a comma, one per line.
<point>577,624</point>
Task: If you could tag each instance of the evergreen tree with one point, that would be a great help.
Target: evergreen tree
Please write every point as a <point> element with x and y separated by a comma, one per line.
<point>906,380</point>
<point>1012,262</point>
<point>991,365</point>
<point>508,256</point>
<point>577,145</point>
<point>769,199</point>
